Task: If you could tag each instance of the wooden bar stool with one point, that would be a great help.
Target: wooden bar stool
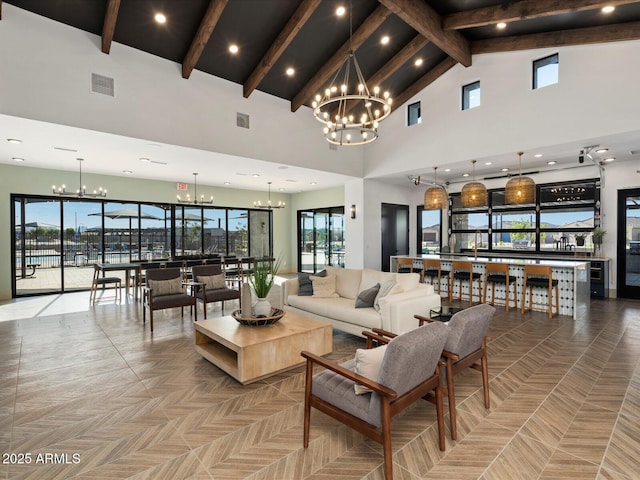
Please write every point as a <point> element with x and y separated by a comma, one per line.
<point>498,273</point>
<point>432,268</point>
<point>540,276</point>
<point>405,265</point>
<point>463,271</point>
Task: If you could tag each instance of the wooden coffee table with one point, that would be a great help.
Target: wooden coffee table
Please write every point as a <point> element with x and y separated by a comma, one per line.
<point>249,354</point>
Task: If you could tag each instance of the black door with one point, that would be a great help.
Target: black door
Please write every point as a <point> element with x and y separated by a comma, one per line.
<point>628,243</point>
<point>395,232</point>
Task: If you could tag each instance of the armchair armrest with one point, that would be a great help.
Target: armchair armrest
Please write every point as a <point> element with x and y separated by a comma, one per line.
<point>345,372</point>
<point>423,319</point>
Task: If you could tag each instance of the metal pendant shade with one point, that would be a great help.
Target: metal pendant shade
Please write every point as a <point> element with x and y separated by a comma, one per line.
<point>520,190</point>
<point>435,198</point>
<point>474,194</point>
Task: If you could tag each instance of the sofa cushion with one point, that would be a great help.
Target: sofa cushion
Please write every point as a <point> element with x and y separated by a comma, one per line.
<point>367,297</point>
<point>305,287</point>
<point>324,287</point>
<point>212,282</point>
<point>347,281</point>
<point>166,287</point>
<point>339,309</point>
<point>385,288</point>
<point>367,363</point>
<point>370,277</point>
<point>407,281</point>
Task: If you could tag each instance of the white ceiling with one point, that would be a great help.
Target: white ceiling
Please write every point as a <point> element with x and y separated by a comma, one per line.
<point>112,154</point>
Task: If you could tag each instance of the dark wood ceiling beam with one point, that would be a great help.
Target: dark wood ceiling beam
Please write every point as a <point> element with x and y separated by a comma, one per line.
<point>424,81</point>
<point>0,9</point>
<point>425,20</point>
<point>367,28</point>
<point>402,57</point>
<point>208,23</point>
<point>522,10</point>
<point>278,47</point>
<point>109,25</point>
<point>618,32</point>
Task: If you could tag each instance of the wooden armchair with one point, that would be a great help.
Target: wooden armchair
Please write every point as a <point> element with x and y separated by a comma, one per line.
<point>466,344</point>
<point>409,371</point>
<point>214,287</point>
<point>165,289</point>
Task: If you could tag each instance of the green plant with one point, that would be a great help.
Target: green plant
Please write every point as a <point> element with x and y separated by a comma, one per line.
<point>598,234</point>
<point>264,274</point>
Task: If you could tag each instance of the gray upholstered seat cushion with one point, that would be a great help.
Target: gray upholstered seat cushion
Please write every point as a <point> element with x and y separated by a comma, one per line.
<point>468,328</point>
<point>410,359</point>
<point>173,300</point>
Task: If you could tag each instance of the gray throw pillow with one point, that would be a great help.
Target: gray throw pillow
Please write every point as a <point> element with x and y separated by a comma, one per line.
<point>367,297</point>
<point>305,288</point>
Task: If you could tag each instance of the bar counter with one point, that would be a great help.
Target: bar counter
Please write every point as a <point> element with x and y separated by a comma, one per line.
<point>572,275</point>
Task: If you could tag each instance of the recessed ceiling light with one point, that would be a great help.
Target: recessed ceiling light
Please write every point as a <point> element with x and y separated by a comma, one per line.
<point>13,140</point>
<point>608,9</point>
<point>255,175</point>
<point>610,159</point>
<point>290,180</point>
<point>145,160</point>
<point>418,62</point>
<point>283,167</point>
<point>233,48</point>
<point>313,183</point>
<point>538,155</point>
<point>290,71</point>
<point>501,26</point>
<point>65,149</point>
<point>128,172</point>
<point>602,150</point>
<point>487,163</point>
<point>340,11</point>
<point>447,169</point>
<point>227,183</point>
<point>384,40</point>
<point>504,169</point>
<point>465,174</point>
<point>551,162</point>
<point>16,159</point>
<point>160,18</point>
<point>281,189</point>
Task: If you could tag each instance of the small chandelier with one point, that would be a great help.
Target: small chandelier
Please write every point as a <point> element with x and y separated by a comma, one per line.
<point>520,190</point>
<point>82,190</point>
<point>435,198</point>
<point>474,194</point>
<point>195,200</point>
<point>268,206</point>
<point>350,112</point>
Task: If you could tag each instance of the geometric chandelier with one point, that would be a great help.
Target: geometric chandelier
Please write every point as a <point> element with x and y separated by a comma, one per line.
<point>520,190</point>
<point>195,200</point>
<point>82,189</point>
<point>269,205</point>
<point>350,112</point>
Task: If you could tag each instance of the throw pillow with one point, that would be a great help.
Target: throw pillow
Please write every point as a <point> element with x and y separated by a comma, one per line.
<point>367,364</point>
<point>213,282</point>
<point>324,287</point>
<point>385,288</point>
<point>305,287</point>
<point>165,287</point>
<point>408,281</point>
<point>367,297</point>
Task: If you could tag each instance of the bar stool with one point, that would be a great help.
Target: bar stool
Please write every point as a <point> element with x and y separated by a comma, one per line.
<point>405,265</point>
<point>499,273</point>
<point>463,271</point>
<point>432,268</point>
<point>540,276</point>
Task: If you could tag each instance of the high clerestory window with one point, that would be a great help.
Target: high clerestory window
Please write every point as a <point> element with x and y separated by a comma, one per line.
<point>471,95</point>
<point>545,71</point>
<point>413,114</point>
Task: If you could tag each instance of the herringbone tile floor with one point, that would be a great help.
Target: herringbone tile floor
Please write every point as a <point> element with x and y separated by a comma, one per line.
<point>93,395</point>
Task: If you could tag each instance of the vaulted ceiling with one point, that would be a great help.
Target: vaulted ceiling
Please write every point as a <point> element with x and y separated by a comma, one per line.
<point>309,37</point>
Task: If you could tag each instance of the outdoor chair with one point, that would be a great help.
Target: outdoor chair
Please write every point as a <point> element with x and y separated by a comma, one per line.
<point>214,287</point>
<point>409,370</point>
<point>165,289</point>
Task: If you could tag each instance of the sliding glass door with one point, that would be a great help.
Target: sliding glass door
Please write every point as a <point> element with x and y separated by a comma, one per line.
<point>320,239</point>
<point>628,285</point>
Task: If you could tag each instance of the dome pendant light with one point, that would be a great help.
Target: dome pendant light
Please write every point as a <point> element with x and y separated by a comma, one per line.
<point>435,198</point>
<point>520,190</point>
<point>474,194</point>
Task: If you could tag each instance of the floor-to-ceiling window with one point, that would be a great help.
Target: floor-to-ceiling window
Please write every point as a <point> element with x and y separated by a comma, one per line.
<point>320,238</point>
<point>628,241</point>
<point>429,231</point>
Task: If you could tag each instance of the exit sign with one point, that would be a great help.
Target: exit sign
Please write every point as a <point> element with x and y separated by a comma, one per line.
<point>182,187</point>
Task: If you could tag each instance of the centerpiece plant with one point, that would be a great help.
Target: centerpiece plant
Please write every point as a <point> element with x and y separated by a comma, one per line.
<point>261,281</point>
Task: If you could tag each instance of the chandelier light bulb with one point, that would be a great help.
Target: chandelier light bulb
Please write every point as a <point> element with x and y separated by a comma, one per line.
<point>360,87</point>
<point>333,134</point>
<point>365,134</point>
<point>334,89</point>
<point>350,118</point>
<point>343,88</point>
<point>386,95</point>
<point>376,90</point>
<point>376,113</point>
<point>314,104</point>
<point>326,130</point>
<point>327,92</point>
<point>348,137</point>
<point>367,104</point>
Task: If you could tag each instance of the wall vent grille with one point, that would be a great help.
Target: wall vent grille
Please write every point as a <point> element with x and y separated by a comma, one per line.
<point>242,120</point>
<point>102,85</point>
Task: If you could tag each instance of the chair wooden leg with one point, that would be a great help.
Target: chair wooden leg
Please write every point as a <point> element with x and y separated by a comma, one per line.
<point>524,296</point>
<point>485,377</point>
<point>484,292</point>
<point>307,403</point>
<point>151,319</point>
<point>386,438</point>
<point>451,398</point>
<point>557,301</point>
<point>440,416</point>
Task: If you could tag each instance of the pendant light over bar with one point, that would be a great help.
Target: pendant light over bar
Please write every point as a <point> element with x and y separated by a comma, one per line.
<point>82,189</point>
<point>196,200</point>
<point>435,198</point>
<point>520,190</point>
<point>474,194</point>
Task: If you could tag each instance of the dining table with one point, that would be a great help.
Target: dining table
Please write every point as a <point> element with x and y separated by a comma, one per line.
<point>127,268</point>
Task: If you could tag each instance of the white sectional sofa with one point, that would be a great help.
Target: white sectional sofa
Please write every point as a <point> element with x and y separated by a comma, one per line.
<point>396,309</point>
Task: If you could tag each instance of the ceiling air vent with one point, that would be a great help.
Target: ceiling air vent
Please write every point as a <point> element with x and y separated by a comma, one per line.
<point>634,152</point>
<point>333,146</point>
<point>102,85</point>
<point>242,120</point>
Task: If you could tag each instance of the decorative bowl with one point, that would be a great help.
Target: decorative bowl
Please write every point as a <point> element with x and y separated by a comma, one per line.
<point>276,314</point>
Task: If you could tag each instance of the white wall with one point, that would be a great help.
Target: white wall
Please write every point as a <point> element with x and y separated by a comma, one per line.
<point>47,67</point>
<point>596,96</point>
